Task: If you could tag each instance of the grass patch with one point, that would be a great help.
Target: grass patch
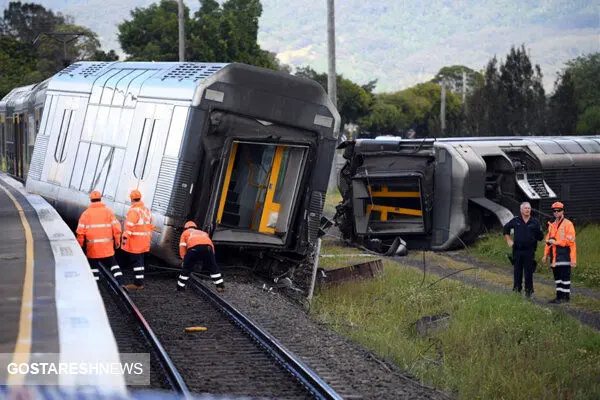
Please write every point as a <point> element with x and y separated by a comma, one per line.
<point>502,276</point>
<point>332,199</point>
<point>337,256</point>
<point>493,248</point>
<point>496,346</point>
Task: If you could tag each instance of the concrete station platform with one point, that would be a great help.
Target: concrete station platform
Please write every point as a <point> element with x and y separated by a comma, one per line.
<point>49,300</point>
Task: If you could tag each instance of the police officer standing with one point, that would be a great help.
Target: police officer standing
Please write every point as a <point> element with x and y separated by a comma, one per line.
<point>136,237</point>
<point>527,232</point>
<point>99,233</point>
<point>560,245</point>
<point>195,246</point>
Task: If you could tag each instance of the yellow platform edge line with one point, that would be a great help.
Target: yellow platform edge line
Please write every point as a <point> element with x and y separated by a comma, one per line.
<point>23,346</point>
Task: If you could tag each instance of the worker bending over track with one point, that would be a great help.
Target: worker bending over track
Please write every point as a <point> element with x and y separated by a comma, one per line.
<point>196,246</point>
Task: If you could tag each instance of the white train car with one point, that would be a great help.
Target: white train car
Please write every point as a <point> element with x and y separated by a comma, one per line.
<point>244,151</point>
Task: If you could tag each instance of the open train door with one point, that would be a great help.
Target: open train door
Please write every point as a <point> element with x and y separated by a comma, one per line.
<point>259,190</point>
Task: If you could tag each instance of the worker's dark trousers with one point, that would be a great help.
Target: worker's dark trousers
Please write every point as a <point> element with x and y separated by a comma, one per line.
<point>108,262</point>
<point>205,255</point>
<point>562,279</point>
<point>136,262</point>
<point>523,263</point>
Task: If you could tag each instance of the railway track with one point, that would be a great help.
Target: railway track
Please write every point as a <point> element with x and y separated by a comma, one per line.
<point>134,335</point>
<point>229,355</point>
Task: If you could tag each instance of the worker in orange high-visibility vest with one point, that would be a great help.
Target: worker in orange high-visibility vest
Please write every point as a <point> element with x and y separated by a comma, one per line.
<point>137,235</point>
<point>196,246</point>
<point>99,234</point>
<point>561,247</point>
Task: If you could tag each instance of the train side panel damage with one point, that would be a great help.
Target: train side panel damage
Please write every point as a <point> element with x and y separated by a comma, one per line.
<point>443,194</point>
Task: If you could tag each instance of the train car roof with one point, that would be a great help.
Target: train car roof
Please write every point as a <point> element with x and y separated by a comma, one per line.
<point>548,144</point>
<point>15,96</point>
<point>23,95</point>
<point>170,80</point>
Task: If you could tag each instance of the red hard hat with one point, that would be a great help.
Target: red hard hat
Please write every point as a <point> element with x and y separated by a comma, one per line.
<point>558,204</point>
<point>95,195</point>
<point>190,224</point>
<point>135,195</point>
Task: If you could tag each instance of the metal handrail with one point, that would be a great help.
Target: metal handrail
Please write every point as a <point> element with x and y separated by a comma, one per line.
<point>173,376</point>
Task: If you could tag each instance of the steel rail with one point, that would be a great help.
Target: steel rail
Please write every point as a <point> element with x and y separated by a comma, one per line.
<point>308,378</point>
<point>173,376</point>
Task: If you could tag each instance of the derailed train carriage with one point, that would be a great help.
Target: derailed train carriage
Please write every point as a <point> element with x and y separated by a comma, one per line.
<point>441,194</point>
<point>243,151</point>
<point>20,115</point>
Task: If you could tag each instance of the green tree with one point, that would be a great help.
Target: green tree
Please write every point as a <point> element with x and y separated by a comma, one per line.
<point>100,55</point>
<point>26,21</point>
<point>384,119</point>
<point>17,65</point>
<point>509,100</point>
<point>54,39</point>
<point>206,42</point>
<point>562,115</point>
<point>588,122</point>
<point>417,108</point>
<point>573,105</point>
<point>227,33</point>
<point>153,32</point>
<point>453,75</point>
<point>353,101</point>
<point>525,97</point>
<point>53,55</point>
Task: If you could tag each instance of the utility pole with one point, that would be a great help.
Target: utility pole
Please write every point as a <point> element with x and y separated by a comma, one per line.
<point>464,86</point>
<point>443,107</point>
<point>331,75</point>
<point>331,80</point>
<point>180,20</point>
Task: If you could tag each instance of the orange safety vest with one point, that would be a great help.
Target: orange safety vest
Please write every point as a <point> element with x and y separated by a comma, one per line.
<point>193,237</point>
<point>138,229</point>
<point>564,252</point>
<point>99,230</point>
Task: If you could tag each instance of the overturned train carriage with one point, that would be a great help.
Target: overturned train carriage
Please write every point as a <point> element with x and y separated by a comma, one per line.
<point>243,151</point>
<point>442,194</point>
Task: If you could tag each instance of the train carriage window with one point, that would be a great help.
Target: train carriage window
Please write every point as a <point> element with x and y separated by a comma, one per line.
<point>79,168</point>
<point>144,147</point>
<point>589,145</point>
<point>570,146</point>
<point>104,165</point>
<point>37,114</point>
<point>112,126</point>
<point>90,123</point>
<point>124,127</point>
<point>114,174</point>
<point>550,147</point>
<point>100,135</point>
<point>60,155</point>
<point>176,131</point>
<point>48,117</point>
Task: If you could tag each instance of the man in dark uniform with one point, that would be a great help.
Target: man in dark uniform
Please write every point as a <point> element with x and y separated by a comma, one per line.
<point>527,232</point>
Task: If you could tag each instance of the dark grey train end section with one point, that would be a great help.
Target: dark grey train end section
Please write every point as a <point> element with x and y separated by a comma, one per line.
<point>441,194</point>
<point>243,151</point>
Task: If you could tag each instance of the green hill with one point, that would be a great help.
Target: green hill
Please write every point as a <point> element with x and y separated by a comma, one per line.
<point>398,43</point>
